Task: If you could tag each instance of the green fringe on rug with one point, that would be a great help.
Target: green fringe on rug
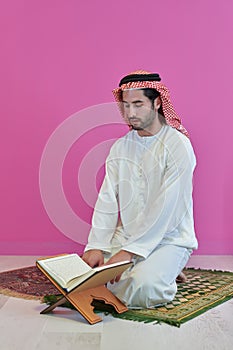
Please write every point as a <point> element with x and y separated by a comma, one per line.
<point>53,298</point>
<point>134,315</point>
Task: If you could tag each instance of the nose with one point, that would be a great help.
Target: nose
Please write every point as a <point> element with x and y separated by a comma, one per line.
<point>131,111</point>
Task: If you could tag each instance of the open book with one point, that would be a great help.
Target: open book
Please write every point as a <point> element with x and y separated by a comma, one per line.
<point>70,271</point>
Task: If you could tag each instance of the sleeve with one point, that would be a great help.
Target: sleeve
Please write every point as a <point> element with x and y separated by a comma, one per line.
<point>164,213</point>
<point>105,216</point>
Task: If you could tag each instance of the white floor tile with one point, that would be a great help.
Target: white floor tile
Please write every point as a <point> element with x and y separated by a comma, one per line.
<point>65,320</point>
<point>3,300</point>
<point>69,341</point>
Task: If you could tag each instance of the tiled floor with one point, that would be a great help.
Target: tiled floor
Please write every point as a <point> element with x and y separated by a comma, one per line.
<point>23,328</point>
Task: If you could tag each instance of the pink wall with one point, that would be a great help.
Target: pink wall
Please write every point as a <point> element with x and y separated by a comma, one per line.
<point>59,57</point>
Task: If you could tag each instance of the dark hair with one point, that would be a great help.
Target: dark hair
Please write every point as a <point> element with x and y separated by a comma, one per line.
<point>152,94</point>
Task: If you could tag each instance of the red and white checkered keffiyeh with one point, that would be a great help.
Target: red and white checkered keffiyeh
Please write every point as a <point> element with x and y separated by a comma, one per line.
<point>170,115</point>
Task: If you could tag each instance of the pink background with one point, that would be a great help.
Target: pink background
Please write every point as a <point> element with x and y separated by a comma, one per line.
<point>61,56</point>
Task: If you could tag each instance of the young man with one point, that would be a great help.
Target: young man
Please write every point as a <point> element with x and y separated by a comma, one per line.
<point>144,211</point>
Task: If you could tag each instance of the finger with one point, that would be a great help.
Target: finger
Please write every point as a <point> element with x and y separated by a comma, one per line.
<point>101,261</point>
<point>118,277</point>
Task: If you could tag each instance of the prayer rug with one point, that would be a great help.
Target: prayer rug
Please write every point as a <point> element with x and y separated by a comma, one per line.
<point>26,283</point>
<point>203,290</point>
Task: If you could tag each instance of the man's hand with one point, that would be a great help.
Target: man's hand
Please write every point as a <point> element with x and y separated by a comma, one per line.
<point>93,257</point>
<point>122,255</point>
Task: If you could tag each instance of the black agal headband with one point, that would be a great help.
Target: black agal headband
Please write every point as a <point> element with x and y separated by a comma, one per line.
<point>139,77</point>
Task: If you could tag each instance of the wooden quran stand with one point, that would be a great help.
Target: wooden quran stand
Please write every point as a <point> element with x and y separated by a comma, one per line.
<point>82,302</point>
<point>82,299</point>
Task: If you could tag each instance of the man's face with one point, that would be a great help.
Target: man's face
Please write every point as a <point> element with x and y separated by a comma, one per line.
<point>138,109</point>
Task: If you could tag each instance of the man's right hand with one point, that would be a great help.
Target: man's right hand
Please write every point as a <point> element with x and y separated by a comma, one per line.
<point>93,257</point>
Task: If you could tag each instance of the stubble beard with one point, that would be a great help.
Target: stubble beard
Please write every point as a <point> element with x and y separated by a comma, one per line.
<point>144,125</point>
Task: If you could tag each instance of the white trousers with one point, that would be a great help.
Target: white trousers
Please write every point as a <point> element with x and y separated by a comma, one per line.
<point>152,281</point>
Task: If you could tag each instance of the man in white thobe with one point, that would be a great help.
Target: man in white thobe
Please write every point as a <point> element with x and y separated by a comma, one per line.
<point>144,211</point>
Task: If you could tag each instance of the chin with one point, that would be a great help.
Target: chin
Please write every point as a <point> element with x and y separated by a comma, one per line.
<point>136,127</point>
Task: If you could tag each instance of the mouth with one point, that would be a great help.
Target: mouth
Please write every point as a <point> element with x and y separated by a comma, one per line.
<point>134,120</point>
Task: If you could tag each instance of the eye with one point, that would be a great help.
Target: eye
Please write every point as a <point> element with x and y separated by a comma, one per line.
<point>138,105</point>
<point>126,105</point>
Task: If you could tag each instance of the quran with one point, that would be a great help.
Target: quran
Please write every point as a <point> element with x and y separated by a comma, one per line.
<point>69,271</point>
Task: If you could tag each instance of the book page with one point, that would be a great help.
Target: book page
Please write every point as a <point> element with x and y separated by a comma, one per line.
<point>66,267</point>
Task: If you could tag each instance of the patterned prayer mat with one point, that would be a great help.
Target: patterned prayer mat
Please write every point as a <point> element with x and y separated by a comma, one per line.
<point>203,290</point>
<point>26,283</point>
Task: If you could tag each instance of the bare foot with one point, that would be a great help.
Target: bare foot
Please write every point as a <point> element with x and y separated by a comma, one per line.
<point>181,278</point>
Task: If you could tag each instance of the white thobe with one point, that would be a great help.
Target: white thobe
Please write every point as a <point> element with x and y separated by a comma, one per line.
<point>145,201</point>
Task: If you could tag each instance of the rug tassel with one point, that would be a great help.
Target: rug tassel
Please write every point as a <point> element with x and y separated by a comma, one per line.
<point>10,293</point>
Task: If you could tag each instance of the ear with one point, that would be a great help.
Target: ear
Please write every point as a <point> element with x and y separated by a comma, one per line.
<point>157,103</point>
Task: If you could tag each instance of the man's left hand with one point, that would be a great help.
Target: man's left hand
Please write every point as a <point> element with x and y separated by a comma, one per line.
<point>122,255</point>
